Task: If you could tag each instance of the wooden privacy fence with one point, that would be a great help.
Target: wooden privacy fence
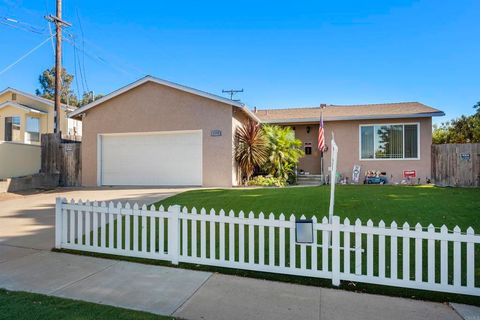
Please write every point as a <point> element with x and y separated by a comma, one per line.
<point>63,157</point>
<point>456,165</point>
<point>419,258</point>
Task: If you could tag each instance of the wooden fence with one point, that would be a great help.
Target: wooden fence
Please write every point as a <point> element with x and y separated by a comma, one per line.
<point>62,157</point>
<point>456,165</point>
<point>418,257</point>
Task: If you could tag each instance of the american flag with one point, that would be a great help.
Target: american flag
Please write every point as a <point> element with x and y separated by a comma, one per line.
<point>321,134</point>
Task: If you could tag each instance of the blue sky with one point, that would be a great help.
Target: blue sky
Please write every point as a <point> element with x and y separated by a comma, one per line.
<point>283,54</point>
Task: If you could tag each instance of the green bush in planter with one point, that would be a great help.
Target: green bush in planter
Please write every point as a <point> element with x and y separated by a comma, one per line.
<point>267,181</point>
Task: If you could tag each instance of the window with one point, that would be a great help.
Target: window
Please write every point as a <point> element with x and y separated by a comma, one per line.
<point>12,129</point>
<point>32,132</point>
<point>308,148</point>
<point>390,141</point>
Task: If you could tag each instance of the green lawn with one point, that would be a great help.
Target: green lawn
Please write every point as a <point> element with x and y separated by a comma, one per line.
<point>23,305</point>
<point>412,204</point>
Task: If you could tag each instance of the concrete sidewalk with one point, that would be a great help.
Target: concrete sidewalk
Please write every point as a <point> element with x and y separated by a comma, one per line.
<point>195,295</point>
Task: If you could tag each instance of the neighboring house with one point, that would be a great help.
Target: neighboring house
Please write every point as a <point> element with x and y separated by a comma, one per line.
<point>23,118</point>
<point>390,138</point>
<point>155,132</point>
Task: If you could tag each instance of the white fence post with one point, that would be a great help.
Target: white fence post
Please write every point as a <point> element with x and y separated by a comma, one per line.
<point>174,233</point>
<point>336,250</point>
<point>58,223</point>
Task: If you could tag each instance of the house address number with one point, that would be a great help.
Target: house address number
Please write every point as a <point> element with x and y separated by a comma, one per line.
<point>216,133</point>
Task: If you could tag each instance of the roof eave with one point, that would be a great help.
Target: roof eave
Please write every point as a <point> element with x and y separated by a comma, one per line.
<point>350,118</point>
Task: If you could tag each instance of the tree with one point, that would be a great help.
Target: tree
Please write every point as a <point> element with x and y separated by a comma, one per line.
<point>251,150</point>
<point>88,97</point>
<point>47,84</point>
<point>465,129</point>
<point>284,151</point>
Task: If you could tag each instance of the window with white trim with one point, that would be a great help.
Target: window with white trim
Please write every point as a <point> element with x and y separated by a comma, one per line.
<point>32,130</point>
<point>389,141</point>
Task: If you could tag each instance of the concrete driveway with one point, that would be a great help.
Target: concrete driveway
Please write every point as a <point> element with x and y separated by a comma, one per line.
<point>28,220</point>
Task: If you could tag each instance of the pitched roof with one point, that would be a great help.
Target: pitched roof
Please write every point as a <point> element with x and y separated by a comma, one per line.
<point>21,106</point>
<point>349,112</point>
<point>35,97</point>
<point>168,84</point>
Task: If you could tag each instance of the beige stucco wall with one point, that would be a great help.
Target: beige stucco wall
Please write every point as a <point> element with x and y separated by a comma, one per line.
<point>153,107</point>
<point>46,120</point>
<point>17,159</point>
<point>347,139</point>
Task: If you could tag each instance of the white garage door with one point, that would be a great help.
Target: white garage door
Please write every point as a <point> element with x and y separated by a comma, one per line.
<point>151,159</point>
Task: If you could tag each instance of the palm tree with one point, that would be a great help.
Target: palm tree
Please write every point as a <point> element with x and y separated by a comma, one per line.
<point>251,149</point>
<point>284,151</point>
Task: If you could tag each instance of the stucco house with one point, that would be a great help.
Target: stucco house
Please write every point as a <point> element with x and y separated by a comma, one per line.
<point>390,138</point>
<point>156,132</point>
<point>23,118</point>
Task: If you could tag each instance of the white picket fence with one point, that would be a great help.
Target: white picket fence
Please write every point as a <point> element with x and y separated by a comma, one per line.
<point>403,257</point>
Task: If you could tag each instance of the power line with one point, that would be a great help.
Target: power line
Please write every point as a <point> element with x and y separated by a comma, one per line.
<point>83,47</point>
<point>25,55</point>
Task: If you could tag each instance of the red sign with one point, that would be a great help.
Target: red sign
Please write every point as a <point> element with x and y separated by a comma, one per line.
<point>409,173</point>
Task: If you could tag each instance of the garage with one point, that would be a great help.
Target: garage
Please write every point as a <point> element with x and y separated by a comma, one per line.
<point>166,158</point>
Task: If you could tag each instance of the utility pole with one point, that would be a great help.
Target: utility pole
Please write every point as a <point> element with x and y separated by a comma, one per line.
<point>59,24</point>
<point>232,92</point>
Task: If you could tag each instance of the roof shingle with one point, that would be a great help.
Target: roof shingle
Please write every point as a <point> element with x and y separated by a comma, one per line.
<point>349,112</point>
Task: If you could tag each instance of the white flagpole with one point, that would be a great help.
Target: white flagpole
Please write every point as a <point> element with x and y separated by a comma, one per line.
<point>333,173</point>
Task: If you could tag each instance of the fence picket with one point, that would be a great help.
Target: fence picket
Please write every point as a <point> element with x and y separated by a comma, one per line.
<point>241,237</point>
<point>212,234</point>
<point>153,227</point>
<point>203,234</point>
<point>95,223</point>
<point>431,255</point>
<point>194,235</point>
<point>128,218</point>
<point>65,223</point>
<point>406,254</point>
<point>184,235</point>
<point>444,257</point>
<point>162,234</point>
<point>103,225</point>
<point>111,210</point>
<point>346,247</point>
<point>222,235</point>
<point>119,228</point>
<point>381,251</point>
<point>261,241</point>
<point>231,235</point>
<point>470,260</point>
<point>251,239</point>
<point>314,245</point>
<point>358,248</point>
<point>271,241</point>
<point>80,223</point>
<point>143,228</point>
<point>325,245</point>
<point>136,216</point>
<point>281,242</point>
<point>72,223</point>
<point>88,241</point>
<point>292,242</point>
<point>370,250</point>
<point>393,251</point>
<point>418,253</point>
<point>457,261</point>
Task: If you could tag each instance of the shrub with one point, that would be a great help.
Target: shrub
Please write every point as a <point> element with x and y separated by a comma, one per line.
<point>267,181</point>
